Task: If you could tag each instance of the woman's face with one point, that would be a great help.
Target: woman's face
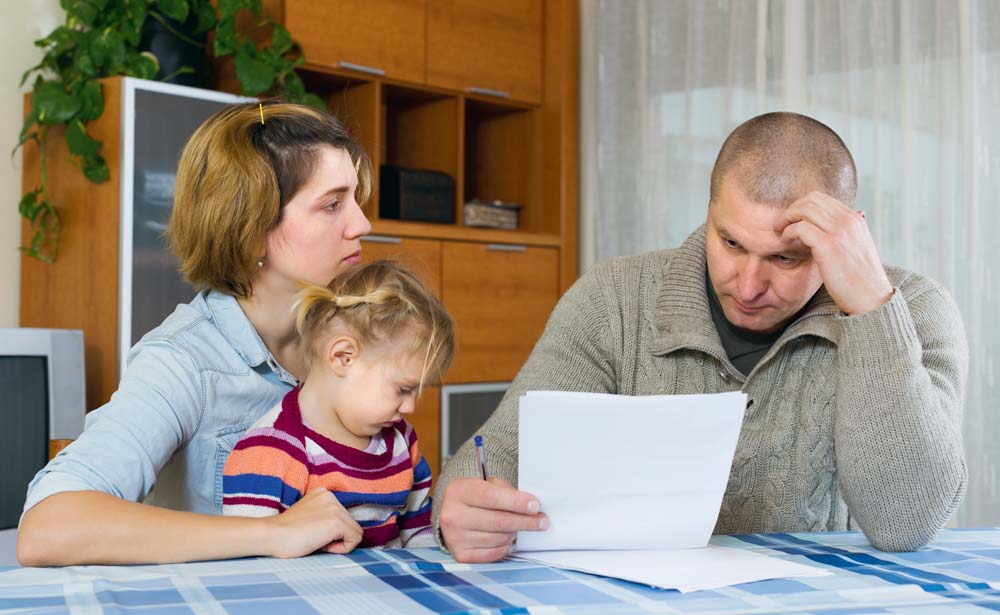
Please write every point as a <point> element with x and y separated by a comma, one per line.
<point>319,234</point>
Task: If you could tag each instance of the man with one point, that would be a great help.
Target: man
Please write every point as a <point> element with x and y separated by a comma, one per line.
<point>855,369</point>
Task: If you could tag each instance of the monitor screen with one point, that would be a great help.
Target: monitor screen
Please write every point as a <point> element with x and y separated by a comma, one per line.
<point>24,430</point>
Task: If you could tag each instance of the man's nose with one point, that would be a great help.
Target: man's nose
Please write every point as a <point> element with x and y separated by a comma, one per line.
<point>753,281</point>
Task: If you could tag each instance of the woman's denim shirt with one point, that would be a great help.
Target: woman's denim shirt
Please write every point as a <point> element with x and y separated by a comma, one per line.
<point>191,387</point>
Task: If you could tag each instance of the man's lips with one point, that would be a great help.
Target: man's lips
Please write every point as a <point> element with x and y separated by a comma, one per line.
<point>747,308</point>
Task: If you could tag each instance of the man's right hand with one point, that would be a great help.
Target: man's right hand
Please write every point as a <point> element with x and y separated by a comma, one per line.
<point>480,520</point>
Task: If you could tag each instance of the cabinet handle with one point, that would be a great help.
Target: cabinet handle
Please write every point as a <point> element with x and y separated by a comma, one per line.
<point>489,92</point>
<point>381,239</point>
<point>505,247</point>
<point>361,68</point>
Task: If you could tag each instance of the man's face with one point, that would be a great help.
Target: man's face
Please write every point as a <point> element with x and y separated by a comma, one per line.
<point>761,282</point>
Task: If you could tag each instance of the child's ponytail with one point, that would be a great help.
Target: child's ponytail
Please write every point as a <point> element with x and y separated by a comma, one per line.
<point>376,302</point>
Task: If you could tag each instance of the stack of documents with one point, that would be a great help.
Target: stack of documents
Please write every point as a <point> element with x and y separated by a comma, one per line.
<point>633,485</point>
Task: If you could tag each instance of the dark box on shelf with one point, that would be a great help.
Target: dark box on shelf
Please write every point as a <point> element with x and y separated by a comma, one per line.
<point>418,195</point>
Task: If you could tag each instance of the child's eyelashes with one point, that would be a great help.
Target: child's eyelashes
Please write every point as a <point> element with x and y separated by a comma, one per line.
<point>404,391</point>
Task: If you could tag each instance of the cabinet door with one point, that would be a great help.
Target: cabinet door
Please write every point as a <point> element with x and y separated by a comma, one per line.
<point>500,298</point>
<point>426,420</point>
<point>421,256</point>
<point>386,36</point>
<point>486,45</point>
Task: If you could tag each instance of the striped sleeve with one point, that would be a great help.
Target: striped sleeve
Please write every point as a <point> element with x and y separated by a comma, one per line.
<point>265,474</point>
<point>415,522</point>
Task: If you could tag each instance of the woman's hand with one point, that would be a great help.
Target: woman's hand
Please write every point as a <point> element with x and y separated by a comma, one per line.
<point>316,522</point>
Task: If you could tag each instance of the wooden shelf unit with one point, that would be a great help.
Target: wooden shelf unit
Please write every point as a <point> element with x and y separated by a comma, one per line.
<point>431,105</point>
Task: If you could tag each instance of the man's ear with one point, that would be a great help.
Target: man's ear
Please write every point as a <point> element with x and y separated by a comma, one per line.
<point>342,353</point>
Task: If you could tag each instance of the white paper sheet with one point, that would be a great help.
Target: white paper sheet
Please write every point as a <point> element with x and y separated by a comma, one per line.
<point>626,472</point>
<point>682,569</point>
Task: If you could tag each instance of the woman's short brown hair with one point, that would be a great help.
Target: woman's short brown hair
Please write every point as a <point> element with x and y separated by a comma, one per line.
<point>234,178</point>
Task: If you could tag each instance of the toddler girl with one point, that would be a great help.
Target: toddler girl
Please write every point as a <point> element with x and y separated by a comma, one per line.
<point>372,339</point>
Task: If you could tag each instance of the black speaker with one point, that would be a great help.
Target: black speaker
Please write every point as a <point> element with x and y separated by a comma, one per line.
<point>418,195</point>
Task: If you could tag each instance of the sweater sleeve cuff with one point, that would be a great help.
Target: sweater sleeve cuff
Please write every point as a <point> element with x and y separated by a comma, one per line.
<point>464,464</point>
<point>885,333</point>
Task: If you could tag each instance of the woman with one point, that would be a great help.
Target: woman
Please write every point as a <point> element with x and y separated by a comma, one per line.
<point>266,198</point>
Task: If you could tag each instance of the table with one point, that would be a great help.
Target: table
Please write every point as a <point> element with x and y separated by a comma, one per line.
<point>958,573</point>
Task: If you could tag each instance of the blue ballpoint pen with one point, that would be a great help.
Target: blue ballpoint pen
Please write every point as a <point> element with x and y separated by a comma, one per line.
<point>481,454</point>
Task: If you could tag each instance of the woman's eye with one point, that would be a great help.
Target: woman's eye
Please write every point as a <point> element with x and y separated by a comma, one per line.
<point>332,206</point>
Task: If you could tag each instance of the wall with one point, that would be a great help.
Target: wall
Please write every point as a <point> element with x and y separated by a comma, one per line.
<point>24,22</point>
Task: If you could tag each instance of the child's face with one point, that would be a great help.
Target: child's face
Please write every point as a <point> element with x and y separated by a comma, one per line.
<point>378,390</point>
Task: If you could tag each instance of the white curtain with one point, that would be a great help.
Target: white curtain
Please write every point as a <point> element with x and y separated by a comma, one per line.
<point>912,86</point>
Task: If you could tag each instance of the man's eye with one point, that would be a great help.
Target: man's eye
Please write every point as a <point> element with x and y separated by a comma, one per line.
<point>732,244</point>
<point>787,260</point>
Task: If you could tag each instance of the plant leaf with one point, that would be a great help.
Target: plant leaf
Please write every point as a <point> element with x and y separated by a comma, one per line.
<point>229,8</point>
<point>132,25</point>
<point>142,65</point>
<point>255,76</point>
<point>108,50</point>
<point>79,142</point>
<point>52,103</point>
<point>281,40</point>
<point>174,9</point>
<point>85,11</point>
<point>225,37</point>
<point>26,207</point>
<point>95,169</point>
<point>313,101</point>
<point>206,18</point>
<point>92,101</point>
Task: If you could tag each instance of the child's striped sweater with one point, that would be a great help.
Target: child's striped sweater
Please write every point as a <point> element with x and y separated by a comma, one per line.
<point>386,487</point>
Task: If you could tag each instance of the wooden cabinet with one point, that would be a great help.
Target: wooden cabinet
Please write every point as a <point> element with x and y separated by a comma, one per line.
<point>381,37</point>
<point>421,256</point>
<point>500,297</point>
<point>499,285</point>
<point>426,420</point>
<point>485,46</point>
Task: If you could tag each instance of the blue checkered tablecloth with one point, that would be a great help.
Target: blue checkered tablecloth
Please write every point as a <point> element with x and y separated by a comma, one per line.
<point>958,573</point>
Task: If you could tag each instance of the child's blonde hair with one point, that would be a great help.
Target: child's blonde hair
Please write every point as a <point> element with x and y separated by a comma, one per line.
<point>376,302</point>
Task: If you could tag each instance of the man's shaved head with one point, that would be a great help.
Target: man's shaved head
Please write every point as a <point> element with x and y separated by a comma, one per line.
<point>777,158</point>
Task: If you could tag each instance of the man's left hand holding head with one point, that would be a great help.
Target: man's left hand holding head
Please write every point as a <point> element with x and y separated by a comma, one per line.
<point>842,246</point>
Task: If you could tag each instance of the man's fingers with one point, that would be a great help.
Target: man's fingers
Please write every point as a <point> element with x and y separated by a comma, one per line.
<point>471,539</point>
<point>501,497</point>
<point>501,522</point>
<point>822,210</point>
<point>481,556</point>
<point>805,233</point>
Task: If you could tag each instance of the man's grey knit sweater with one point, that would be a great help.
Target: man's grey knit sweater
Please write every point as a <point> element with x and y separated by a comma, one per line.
<point>856,420</point>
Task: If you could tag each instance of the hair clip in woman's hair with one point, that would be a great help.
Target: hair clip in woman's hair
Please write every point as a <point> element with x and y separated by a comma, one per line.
<point>261,113</point>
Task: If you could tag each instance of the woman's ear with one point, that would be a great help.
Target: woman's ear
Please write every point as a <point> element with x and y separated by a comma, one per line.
<point>342,353</point>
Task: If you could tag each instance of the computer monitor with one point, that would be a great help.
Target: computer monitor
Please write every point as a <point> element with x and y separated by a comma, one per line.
<point>43,398</point>
<point>464,409</point>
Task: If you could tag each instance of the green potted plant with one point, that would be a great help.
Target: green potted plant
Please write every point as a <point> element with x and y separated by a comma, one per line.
<point>104,38</point>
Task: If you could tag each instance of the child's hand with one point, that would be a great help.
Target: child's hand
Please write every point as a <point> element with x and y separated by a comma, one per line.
<point>317,521</point>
